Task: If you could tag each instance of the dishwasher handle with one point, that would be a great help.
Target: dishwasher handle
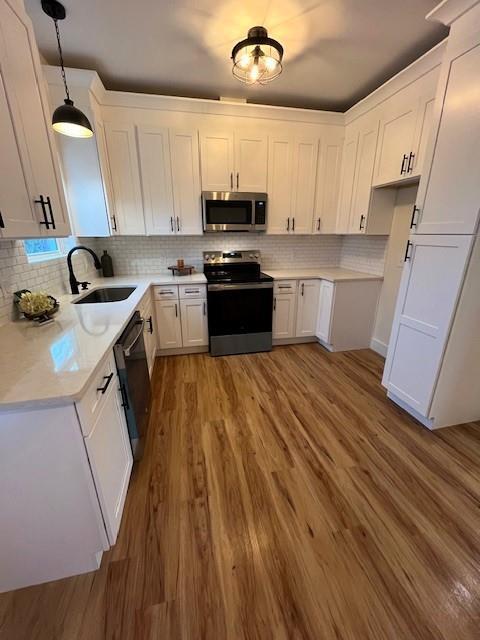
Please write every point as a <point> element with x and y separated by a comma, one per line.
<point>128,348</point>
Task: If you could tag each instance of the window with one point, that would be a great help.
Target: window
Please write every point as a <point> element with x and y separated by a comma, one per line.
<point>42,249</point>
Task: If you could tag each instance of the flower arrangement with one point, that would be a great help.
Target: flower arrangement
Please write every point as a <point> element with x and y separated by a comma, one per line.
<point>37,305</point>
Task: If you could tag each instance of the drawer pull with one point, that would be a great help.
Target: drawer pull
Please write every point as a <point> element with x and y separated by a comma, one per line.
<point>105,386</point>
<point>164,293</point>
<point>150,325</point>
<point>284,286</point>
<point>192,291</point>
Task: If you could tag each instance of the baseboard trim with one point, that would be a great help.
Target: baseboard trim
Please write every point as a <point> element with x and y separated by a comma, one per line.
<point>283,341</point>
<point>181,351</point>
<point>379,346</point>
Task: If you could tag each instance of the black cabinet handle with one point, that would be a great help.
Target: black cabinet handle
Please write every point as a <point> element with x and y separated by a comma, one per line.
<point>407,254</point>
<point>178,223</point>
<point>2,224</point>
<point>123,392</point>
<point>231,181</point>
<point>52,219</point>
<point>204,308</point>
<point>362,219</point>
<point>403,170</point>
<point>42,202</point>
<point>303,287</point>
<point>171,224</point>
<point>293,224</point>
<point>105,386</point>
<point>274,304</point>
<point>288,224</point>
<point>150,325</point>
<point>318,224</point>
<point>238,180</point>
<point>176,310</point>
<point>413,222</point>
<point>114,221</point>
<point>411,158</point>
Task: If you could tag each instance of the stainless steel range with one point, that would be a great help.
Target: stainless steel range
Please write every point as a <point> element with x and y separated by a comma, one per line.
<point>240,302</point>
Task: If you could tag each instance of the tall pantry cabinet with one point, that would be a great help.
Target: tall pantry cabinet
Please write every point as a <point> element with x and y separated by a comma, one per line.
<point>433,362</point>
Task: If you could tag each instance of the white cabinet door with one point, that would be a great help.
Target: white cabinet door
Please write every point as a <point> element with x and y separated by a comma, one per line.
<point>328,183</point>
<point>217,164</point>
<point>449,195</point>
<point>429,289</point>
<point>349,160</point>
<point>365,161</point>
<point>169,328</point>
<point>184,154</point>
<point>307,308</point>
<point>21,78</point>
<point>251,151</point>
<point>150,335</point>
<point>423,130</point>
<point>284,315</point>
<point>110,456</point>
<point>325,307</point>
<point>124,169</point>
<point>280,165</point>
<point>304,181</point>
<point>154,152</point>
<point>17,218</point>
<point>396,136</point>
<point>194,323</point>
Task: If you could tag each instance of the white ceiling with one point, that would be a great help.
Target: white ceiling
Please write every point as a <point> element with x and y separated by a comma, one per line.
<point>336,51</point>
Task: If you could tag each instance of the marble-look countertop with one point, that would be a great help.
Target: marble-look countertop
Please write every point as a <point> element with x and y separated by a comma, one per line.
<point>52,364</point>
<point>333,274</point>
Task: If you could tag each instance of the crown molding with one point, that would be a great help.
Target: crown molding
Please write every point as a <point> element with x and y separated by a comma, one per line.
<point>450,10</point>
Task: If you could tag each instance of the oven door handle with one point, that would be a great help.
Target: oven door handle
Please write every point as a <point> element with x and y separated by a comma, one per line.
<point>127,350</point>
<point>240,286</point>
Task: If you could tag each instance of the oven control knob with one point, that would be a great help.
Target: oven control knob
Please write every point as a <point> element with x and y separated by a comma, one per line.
<point>207,257</point>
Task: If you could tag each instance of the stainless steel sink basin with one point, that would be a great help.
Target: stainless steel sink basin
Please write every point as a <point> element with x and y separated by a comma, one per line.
<point>106,294</point>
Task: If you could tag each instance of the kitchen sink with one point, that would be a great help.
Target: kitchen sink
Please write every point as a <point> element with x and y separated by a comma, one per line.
<point>106,294</point>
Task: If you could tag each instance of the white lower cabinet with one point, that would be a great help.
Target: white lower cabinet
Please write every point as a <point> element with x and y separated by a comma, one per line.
<point>147,312</point>
<point>307,308</point>
<point>110,455</point>
<point>427,298</point>
<point>194,323</point>
<point>325,304</point>
<point>284,307</point>
<point>169,325</point>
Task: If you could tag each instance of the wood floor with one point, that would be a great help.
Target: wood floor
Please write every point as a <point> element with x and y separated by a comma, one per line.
<point>281,496</point>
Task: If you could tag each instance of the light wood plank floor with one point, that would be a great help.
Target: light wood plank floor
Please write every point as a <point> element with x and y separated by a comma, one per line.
<point>282,496</point>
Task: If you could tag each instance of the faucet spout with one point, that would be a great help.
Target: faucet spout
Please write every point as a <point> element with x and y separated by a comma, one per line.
<point>73,280</point>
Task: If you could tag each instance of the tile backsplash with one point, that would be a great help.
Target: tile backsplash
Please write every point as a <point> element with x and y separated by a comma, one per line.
<point>136,255</point>
<point>50,276</point>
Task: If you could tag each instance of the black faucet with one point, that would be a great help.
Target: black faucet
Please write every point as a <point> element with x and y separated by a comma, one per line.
<point>73,281</point>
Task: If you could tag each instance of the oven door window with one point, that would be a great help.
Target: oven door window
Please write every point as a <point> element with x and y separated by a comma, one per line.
<point>229,212</point>
<point>239,311</point>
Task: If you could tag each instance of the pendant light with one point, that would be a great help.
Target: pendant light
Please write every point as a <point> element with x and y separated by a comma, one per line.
<point>258,58</point>
<point>66,119</point>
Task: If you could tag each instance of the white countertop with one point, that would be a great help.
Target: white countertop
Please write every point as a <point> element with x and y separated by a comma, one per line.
<point>52,364</point>
<point>333,274</point>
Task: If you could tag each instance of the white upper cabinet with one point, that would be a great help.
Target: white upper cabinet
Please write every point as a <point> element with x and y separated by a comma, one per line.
<point>350,149</point>
<point>328,184</point>
<point>234,161</point>
<point>251,151</point>
<point>154,151</point>
<point>24,115</point>
<point>449,194</point>
<point>217,164</point>
<point>124,168</point>
<point>280,167</point>
<point>430,285</point>
<point>292,171</point>
<point>184,154</point>
<point>304,182</point>
<point>367,145</point>
<point>404,131</point>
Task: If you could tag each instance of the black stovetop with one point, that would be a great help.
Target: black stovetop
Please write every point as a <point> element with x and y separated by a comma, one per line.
<point>238,272</point>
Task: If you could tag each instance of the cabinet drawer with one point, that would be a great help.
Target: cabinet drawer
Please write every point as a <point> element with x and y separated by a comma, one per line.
<point>192,291</point>
<point>284,286</point>
<point>92,401</point>
<point>165,292</point>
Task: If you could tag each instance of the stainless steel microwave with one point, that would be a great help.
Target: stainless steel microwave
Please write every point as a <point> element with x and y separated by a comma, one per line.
<point>234,211</point>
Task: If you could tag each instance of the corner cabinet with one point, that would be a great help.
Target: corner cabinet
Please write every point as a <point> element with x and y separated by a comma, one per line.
<point>31,197</point>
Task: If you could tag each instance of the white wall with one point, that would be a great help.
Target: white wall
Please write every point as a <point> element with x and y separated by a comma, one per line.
<point>393,267</point>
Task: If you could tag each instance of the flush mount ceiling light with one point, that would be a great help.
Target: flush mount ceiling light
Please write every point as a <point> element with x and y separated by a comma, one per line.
<point>66,119</point>
<point>258,58</point>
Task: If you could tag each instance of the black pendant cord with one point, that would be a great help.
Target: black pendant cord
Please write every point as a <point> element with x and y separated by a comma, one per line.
<point>60,53</point>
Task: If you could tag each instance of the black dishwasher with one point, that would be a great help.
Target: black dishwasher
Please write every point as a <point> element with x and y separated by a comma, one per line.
<point>131,359</point>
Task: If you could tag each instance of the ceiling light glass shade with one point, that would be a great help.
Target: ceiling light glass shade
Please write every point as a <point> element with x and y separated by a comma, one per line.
<point>70,121</point>
<point>258,58</point>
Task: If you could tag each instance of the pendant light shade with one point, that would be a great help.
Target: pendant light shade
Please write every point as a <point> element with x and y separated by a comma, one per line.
<point>258,58</point>
<point>66,119</point>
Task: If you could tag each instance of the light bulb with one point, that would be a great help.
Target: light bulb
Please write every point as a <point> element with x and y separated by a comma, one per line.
<point>270,63</point>
<point>244,61</point>
<point>255,72</point>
